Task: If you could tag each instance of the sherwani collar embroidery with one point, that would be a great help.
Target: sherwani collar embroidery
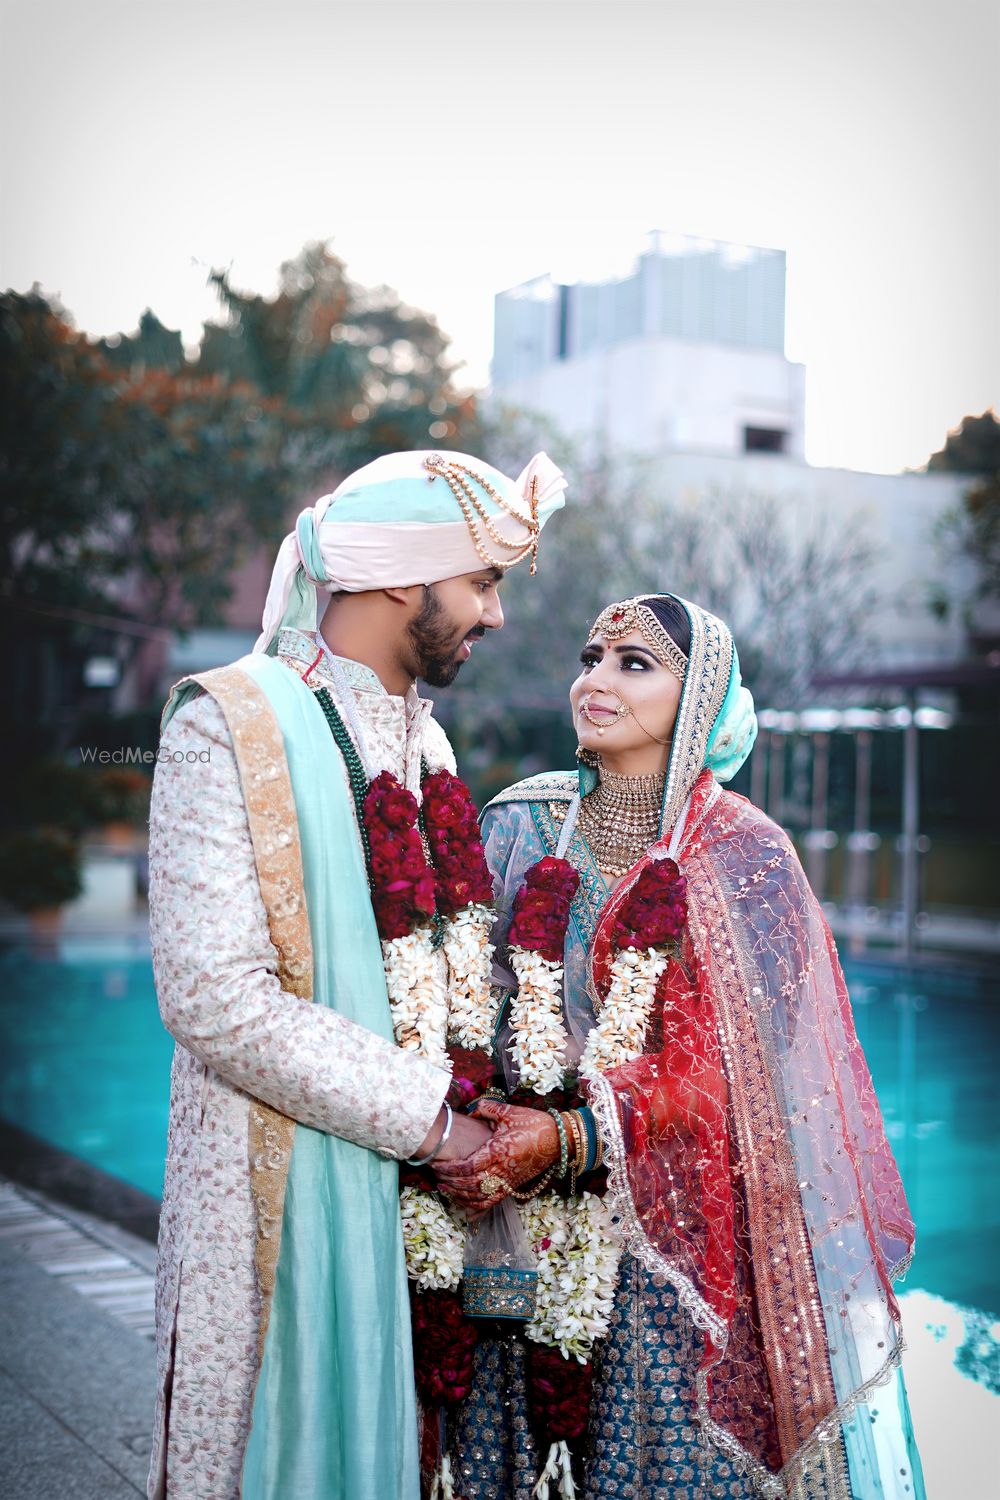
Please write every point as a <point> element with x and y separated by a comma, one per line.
<point>394,726</point>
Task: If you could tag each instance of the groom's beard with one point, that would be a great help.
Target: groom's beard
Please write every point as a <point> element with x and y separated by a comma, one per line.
<point>435,642</point>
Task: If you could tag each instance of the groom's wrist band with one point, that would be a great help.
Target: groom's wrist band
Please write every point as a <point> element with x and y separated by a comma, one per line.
<point>422,1161</point>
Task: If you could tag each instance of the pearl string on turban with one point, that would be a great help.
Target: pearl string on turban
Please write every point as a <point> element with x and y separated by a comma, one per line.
<point>408,518</point>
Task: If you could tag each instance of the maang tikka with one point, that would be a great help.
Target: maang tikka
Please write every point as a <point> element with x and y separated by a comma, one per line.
<point>634,615</point>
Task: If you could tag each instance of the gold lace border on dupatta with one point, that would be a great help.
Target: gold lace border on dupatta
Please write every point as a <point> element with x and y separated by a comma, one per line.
<point>795,1347</point>
<point>792,1325</point>
<point>274,831</point>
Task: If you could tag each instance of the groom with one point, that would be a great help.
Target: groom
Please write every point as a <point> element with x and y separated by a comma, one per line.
<point>282,1320</point>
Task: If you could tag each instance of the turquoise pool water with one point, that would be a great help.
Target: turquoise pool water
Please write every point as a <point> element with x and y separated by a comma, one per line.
<point>84,1058</point>
<point>85,1063</point>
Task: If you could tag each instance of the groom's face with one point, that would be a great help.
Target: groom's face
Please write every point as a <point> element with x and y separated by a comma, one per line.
<point>453,615</point>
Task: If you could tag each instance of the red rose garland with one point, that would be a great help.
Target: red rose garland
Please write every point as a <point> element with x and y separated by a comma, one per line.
<point>407,893</point>
<point>536,940</point>
<point>405,890</point>
<point>629,959</point>
<point>402,882</point>
<point>541,908</point>
<point>444,1344</point>
<point>559,1392</point>
<point>644,933</point>
<point>647,926</point>
<point>654,911</point>
<point>452,827</point>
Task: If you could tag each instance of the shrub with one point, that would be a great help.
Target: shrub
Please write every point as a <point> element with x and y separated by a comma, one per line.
<point>119,795</point>
<point>39,868</point>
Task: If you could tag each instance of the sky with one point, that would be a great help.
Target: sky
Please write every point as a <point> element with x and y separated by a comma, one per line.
<point>454,149</point>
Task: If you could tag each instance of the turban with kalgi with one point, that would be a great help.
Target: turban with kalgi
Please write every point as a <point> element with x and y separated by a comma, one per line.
<point>408,518</point>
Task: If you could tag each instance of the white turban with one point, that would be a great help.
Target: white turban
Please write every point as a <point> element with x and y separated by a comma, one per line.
<point>407,518</point>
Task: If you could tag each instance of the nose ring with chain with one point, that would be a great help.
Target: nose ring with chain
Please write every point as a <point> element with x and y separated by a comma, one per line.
<point>621,712</point>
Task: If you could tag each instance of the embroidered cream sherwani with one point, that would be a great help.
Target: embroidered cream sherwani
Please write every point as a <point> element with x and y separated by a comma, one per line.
<point>241,1036</point>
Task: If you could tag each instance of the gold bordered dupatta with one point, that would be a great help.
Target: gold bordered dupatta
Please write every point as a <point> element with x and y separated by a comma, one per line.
<point>259,749</point>
<point>815,1211</point>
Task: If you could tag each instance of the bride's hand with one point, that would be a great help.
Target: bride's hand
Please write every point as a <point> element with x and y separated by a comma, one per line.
<point>523,1144</point>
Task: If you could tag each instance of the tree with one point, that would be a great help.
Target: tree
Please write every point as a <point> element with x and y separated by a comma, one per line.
<point>152,347</point>
<point>361,371</point>
<point>973,447</point>
<point>123,487</point>
<point>970,532</point>
<point>128,495</point>
<point>133,481</point>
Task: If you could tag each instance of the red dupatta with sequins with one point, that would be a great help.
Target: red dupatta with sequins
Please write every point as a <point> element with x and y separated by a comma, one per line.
<point>748,1159</point>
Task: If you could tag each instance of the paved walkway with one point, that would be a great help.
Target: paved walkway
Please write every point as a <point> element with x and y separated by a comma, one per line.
<point>77,1375</point>
<point>77,1366</point>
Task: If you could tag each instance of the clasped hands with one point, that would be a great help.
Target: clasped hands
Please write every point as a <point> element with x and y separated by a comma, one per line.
<point>495,1150</point>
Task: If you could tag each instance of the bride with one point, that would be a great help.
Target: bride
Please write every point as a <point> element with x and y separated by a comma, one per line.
<point>687,1123</point>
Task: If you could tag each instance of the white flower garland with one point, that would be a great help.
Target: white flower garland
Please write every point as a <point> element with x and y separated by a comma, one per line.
<point>416,981</point>
<point>435,993</point>
<point>577,1271</point>
<point>472,1004</point>
<point>619,1034</point>
<point>539,1036</point>
<point>433,1240</point>
<point>577,1252</point>
<point>431,991</point>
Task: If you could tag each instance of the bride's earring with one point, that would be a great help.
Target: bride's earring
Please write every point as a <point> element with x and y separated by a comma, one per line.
<point>588,757</point>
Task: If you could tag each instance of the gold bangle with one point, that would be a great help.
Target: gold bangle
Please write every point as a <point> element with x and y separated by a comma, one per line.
<point>580,1149</point>
<point>570,1118</point>
<point>580,1137</point>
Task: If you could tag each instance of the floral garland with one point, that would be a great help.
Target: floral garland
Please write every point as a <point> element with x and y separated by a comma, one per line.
<point>434,921</point>
<point>464,894</point>
<point>433,1239</point>
<point>645,936</point>
<point>434,924</point>
<point>576,1255</point>
<point>430,973</point>
<point>575,1243</point>
<point>536,940</point>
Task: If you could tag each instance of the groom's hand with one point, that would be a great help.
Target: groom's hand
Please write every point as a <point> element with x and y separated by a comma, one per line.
<point>468,1135</point>
<point>523,1143</point>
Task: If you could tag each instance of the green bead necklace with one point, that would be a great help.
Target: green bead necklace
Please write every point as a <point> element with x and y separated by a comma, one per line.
<point>355,770</point>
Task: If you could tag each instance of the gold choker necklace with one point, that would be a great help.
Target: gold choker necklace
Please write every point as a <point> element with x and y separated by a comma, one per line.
<point>620,818</point>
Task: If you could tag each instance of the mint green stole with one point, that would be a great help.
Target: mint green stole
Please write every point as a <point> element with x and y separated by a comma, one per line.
<point>334,1415</point>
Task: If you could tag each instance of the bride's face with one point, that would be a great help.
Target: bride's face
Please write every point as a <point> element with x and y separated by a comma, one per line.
<point>625,672</point>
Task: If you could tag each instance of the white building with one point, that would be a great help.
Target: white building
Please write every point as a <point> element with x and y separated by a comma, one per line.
<point>687,351</point>
<point>681,364</point>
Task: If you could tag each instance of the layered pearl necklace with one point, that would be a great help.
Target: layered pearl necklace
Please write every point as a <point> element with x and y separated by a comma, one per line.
<point>620,819</point>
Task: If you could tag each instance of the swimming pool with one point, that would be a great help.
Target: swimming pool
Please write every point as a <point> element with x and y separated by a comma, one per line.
<point>85,1064</point>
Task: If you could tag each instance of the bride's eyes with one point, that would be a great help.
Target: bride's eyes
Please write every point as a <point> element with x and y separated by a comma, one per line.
<point>626,663</point>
